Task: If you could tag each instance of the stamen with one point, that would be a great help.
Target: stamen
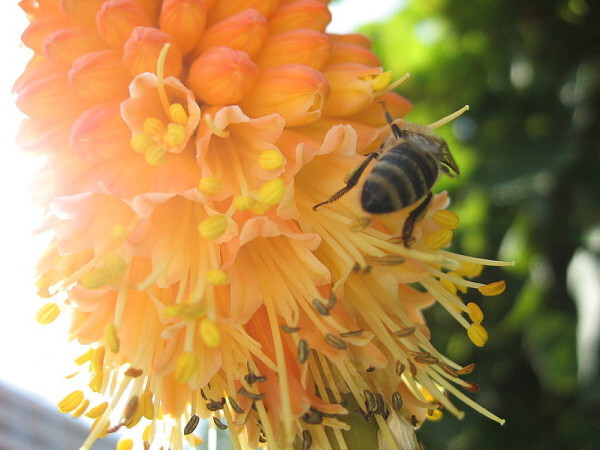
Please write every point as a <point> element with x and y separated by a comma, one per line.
<point>70,402</point>
<point>81,409</point>
<point>398,82</point>
<point>448,118</point>
<point>174,135</point>
<point>125,444</point>
<point>97,411</point>
<point>213,127</point>
<point>160,73</point>
<point>210,333</point>
<point>147,405</point>
<point>475,313</point>
<point>177,114</point>
<point>153,127</point>
<point>210,185</point>
<point>477,334</point>
<point>213,227</point>
<point>191,425</point>
<point>271,160</point>
<point>185,367</point>
<point>156,155</point>
<point>439,239</point>
<point>47,313</point>
<point>95,279</point>
<point>444,218</point>
<point>217,277</point>
<point>243,202</point>
<point>140,143</point>
<point>111,338</point>
<point>271,192</point>
<point>495,288</point>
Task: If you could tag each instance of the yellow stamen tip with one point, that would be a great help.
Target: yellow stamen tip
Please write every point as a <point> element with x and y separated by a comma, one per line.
<point>98,359</point>
<point>70,402</point>
<point>156,155</point>
<point>87,356</point>
<point>470,270</point>
<point>438,239</point>
<point>449,286</point>
<point>140,143</point>
<point>153,127</point>
<point>81,409</point>
<point>271,159</point>
<point>171,310</point>
<point>147,405</point>
<point>125,444</point>
<point>111,338</point>
<point>381,81</point>
<point>243,202</point>
<point>116,265</point>
<point>119,233</point>
<point>259,208</point>
<point>210,333</point>
<point>96,383</point>
<point>146,433</point>
<point>177,113</point>
<point>495,288</point>
<point>475,312</point>
<point>185,367</point>
<point>435,415</point>
<point>271,192</point>
<point>217,277</point>
<point>210,185</point>
<point>97,411</point>
<point>213,227</point>
<point>47,313</point>
<point>446,219</point>
<point>477,334</point>
<point>95,278</point>
<point>175,134</point>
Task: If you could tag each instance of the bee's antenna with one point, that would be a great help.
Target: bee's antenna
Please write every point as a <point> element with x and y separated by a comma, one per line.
<point>448,118</point>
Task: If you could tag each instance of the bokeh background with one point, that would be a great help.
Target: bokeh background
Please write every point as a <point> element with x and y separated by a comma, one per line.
<point>529,150</point>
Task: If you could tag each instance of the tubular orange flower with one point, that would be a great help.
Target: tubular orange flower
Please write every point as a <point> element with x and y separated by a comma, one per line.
<point>188,141</point>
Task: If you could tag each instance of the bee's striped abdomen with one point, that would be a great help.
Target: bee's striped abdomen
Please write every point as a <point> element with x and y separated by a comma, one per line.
<point>401,176</point>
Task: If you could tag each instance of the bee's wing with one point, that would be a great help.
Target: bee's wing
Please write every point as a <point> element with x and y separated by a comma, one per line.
<point>448,159</point>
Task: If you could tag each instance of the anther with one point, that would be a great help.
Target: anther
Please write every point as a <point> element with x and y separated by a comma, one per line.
<point>147,405</point>
<point>153,127</point>
<point>477,334</point>
<point>174,135</point>
<point>303,351</point>
<point>306,440</point>
<point>70,402</point>
<point>133,372</point>
<point>47,313</point>
<point>438,239</point>
<point>271,160</point>
<point>97,411</point>
<point>397,401</point>
<point>220,425</point>
<point>216,277</point>
<point>185,367</point>
<point>320,307</point>
<point>312,417</point>
<point>177,114</point>
<point>495,288</point>
<point>156,155</point>
<point>213,227</point>
<point>243,202</point>
<point>475,313</point>
<point>235,406</point>
<point>335,341</point>
<point>211,334</point>
<point>191,425</point>
<point>370,400</point>
<point>405,332</point>
<point>271,192</point>
<point>210,185</point>
<point>444,218</point>
<point>140,143</point>
<point>111,338</point>
<point>352,333</point>
<point>288,329</point>
<point>250,395</point>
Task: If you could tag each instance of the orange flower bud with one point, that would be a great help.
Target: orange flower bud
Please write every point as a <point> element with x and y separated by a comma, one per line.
<point>81,12</point>
<point>245,31</point>
<point>351,88</point>
<point>117,19</point>
<point>66,45</point>
<point>344,53</point>
<point>294,91</point>
<point>311,14</point>
<point>222,76</point>
<point>50,98</point>
<point>141,51</point>
<point>184,20</point>
<point>221,10</point>
<point>100,76</point>
<point>352,38</point>
<point>308,47</point>
<point>100,133</point>
<point>37,31</point>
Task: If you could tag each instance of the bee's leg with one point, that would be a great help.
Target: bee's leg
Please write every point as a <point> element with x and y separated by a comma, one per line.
<point>411,220</point>
<point>398,133</point>
<point>350,180</point>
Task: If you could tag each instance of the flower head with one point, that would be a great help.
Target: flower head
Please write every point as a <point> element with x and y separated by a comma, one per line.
<point>187,143</point>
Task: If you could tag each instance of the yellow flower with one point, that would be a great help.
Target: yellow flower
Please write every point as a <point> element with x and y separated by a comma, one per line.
<point>188,143</point>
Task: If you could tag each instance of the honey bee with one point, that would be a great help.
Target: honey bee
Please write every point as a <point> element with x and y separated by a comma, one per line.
<point>408,164</point>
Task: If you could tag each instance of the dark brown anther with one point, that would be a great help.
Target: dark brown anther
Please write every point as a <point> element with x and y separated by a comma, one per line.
<point>203,394</point>
<point>191,425</point>
<point>385,414</point>
<point>262,439</point>
<point>235,406</point>
<point>306,440</point>
<point>397,401</point>
<point>471,387</point>
<point>250,395</point>
<point>288,329</point>
<point>412,368</point>
<point>131,408</point>
<point>370,369</point>
<point>405,332</point>
<point>370,400</point>
<point>356,267</point>
<point>351,333</point>
<point>320,307</point>
<point>429,359</point>
<point>335,341</point>
<point>251,378</point>
<point>115,428</point>
<point>220,425</point>
<point>215,406</point>
<point>380,404</point>
<point>312,417</point>
<point>332,300</point>
<point>449,370</point>
<point>133,372</point>
<point>400,368</point>
<point>466,370</point>
<point>414,421</point>
<point>303,351</point>
<point>367,270</point>
<point>146,445</point>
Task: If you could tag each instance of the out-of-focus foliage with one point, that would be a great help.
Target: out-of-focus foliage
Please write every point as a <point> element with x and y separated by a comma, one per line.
<point>529,150</point>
